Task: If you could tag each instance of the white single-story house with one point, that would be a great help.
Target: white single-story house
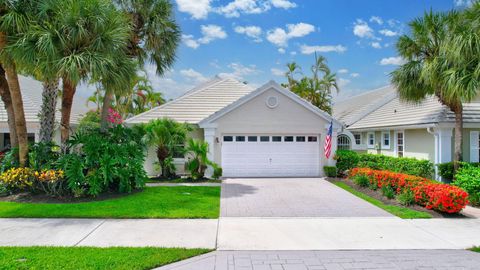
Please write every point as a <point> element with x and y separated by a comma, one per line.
<point>378,122</point>
<point>32,102</point>
<point>262,132</point>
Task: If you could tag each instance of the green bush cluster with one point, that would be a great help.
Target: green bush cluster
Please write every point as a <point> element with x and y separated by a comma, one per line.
<point>406,198</point>
<point>330,171</point>
<point>445,170</point>
<point>347,160</point>
<point>468,178</point>
<point>361,181</point>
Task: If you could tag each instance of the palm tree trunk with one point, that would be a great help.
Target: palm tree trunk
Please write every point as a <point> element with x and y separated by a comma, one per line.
<point>7,102</point>
<point>458,136</point>
<point>69,89</point>
<point>107,100</point>
<point>20,124</point>
<point>47,112</point>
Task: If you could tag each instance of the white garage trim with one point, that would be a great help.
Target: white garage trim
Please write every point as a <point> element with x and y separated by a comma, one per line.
<point>270,155</point>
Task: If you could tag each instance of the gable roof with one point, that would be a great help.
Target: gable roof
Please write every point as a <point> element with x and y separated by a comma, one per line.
<point>270,85</point>
<point>198,103</point>
<point>32,102</point>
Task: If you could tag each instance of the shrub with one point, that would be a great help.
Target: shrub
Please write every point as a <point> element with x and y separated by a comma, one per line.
<point>18,179</point>
<point>346,160</point>
<point>3,189</point>
<point>50,182</point>
<point>406,197</point>
<point>9,160</point>
<point>468,178</point>
<point>43,156</point>
<point>361,180</point>
<point>445,170</point>
<point>217,171</point>
<point>330,171</point>
<point>388,192</point>
<point>110,161</point>
<point>411,166</point>
<point>428,193</point>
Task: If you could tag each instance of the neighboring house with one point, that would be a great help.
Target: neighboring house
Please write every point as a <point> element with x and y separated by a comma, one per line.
<point>261,132</point>
<point>32,101</point>
<point>378,122</point>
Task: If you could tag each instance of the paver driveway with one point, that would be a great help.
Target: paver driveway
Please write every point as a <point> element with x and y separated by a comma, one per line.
<point>291,197</point>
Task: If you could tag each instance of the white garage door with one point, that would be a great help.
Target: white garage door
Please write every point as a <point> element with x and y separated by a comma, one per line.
<point>270,155</point>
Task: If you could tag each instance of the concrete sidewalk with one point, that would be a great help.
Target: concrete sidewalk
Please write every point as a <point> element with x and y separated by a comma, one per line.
<point>189,233</point>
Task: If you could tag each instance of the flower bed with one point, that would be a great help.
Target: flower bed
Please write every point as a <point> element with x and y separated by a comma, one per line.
<point>428,193</point>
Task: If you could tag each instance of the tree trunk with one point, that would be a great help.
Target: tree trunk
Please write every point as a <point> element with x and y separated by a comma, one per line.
<point>67,101</point>
<point>162,154</point>
<point>458,110</point>
<point>20,124</point>
<point>47,112</point>
<point>7,101</point>
<point>107,100</point>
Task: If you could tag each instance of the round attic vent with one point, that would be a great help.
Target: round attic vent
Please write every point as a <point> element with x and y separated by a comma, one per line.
<point>272,102</point>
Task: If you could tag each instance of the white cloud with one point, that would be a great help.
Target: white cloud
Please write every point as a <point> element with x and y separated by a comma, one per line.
<point>376,19</point>
<point>236,7</point>
<point>193,75</point>
<point>362,30</point>
<point>281,50</point>
<point>190,42</point>
<point>463,3</point>
<point>211,32</point>
<point>388,33</point>
<point>239,71</point>
<point>277,72</point>
<point>393,61</point>
<point>305,49</point>
<point>342,71</point>
<point>198,9</point>
<point>343,82</point>
<point>250,31</point>
<point>376,45</point>
<point>285,4</point>
<point>293,53</point>
<point>354,75</point>
<point>280,37</point>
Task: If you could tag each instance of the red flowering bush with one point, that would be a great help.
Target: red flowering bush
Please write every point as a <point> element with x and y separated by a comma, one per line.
<point>114,117</point>
<point>428,193</point>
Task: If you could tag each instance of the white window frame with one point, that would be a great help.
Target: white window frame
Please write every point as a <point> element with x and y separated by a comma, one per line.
<point>371,146</point>
<point>384,146</point>
<point>474,146</point>
<point>355,139</point>
<point>395,145</point>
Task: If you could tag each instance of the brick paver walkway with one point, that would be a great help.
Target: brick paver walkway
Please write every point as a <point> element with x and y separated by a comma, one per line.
<point>332,260</point>
<point>292,197</point>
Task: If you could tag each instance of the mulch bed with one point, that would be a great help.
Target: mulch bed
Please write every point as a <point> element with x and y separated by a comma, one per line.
<point>26,197</point>
<point>378,195</point>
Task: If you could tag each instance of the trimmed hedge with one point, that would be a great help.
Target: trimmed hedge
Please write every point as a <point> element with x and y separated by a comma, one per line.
<point>468,178</point>
<point>330,171</point>
<point>347,160</point>
<point>445,170</point>
<point>428,193</point>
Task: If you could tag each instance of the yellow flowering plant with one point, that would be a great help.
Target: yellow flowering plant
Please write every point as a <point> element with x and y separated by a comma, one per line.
<point>16,179</point>
<point>50,181</point>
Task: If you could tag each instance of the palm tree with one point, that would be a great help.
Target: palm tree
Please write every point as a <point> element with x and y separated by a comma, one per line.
<point>7,101</point>
<point>167,136</point>
<point>442,59</point>
<point>154,37</point>
<point>13,21</point>
<point>199,158</point>
<point>292,69</point>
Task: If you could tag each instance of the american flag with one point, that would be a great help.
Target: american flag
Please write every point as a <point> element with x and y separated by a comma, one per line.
<point>328,142</point>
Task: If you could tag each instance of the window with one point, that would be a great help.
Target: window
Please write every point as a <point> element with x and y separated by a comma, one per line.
<point>264,138</point>
<point>371,140</point>
<point>343,142</point>
<point>276,138</point>
<point>228,138</point>
<point>300,138</point>
<point>474,146</point>
<point>252,138</point>
<point>288,139</point>
<point>386,140</point>
<point>240,138</point>
<point>312,138</point>
<point>400,144</point>
<point>358,138</point>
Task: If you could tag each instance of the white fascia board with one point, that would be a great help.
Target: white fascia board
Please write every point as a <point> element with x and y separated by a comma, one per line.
<point>392,127</point>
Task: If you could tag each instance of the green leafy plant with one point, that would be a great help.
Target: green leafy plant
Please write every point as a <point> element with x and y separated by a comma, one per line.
<point>445,170</point>
<point>10,160</point>
<point>388,192</point>
<point>361,181</point>
<point>198,161</point>
<point>3,189</point>
<point>217,171</point>
<point>406,198</point>
<point>411,166</point>
<point>43,156</point>
<point>346,160</point>
<point>330,171</point>
<point>468,178</point>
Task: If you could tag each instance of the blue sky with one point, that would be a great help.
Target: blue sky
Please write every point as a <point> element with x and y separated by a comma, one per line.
<point>254,40</point>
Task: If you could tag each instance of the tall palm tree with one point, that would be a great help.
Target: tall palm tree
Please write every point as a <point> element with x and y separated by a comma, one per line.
<point>442,59</point>
<point>7,101</point>
<point>167,136</point>
<point>13,21</point>
<point>154,37</point>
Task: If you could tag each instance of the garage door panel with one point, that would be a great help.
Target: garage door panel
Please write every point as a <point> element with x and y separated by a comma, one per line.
<point>243,159</point>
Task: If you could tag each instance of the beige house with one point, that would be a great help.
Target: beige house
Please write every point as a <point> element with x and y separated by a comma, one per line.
<point>378,122</point>
<point>261,132</point>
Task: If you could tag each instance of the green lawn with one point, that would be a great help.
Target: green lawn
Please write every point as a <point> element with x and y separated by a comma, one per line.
<point>91,258</point>
<point>153,202</point>
<point>182,180</point>
<point>401,212</point>
<point>476,249</point>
